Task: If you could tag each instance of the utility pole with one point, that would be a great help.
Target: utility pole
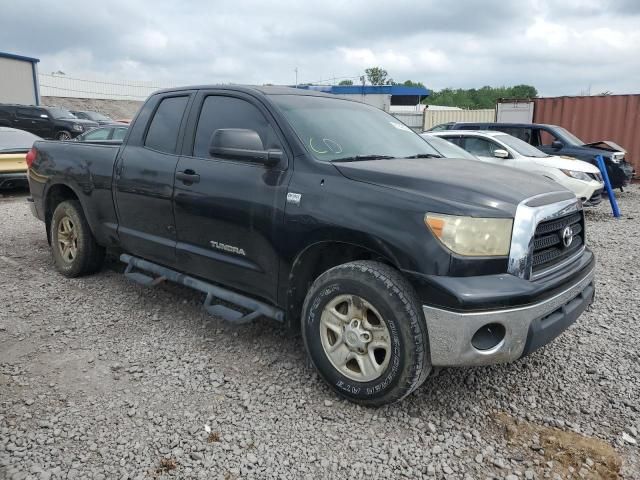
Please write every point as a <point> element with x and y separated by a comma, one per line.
<point>296,70</point>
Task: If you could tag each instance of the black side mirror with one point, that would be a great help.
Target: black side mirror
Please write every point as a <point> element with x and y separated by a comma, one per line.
<point>241,144</point>
<point>556,145</point>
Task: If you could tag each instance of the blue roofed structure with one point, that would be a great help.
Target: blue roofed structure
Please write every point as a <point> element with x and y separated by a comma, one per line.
<point>381,96</point>
<point>19,79</point>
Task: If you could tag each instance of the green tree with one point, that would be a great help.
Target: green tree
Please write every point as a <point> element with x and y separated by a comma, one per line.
<point>346,82</point>
<point>378,76</point>
<point>484,97</point>
<point>411,83</point>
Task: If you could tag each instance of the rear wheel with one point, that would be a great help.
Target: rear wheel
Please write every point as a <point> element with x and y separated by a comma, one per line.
<point>74,248</point>
<point>364,331</point>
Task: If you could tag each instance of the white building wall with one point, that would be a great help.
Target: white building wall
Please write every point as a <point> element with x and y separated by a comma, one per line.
<point>58,85</point>
<point>436,117</point>
<point>16,82</point>
<point>382,102</point>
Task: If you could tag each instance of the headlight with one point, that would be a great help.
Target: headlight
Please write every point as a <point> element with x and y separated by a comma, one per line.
<point>470,236</point>
<point>577,175</point>
<point>77,127</point>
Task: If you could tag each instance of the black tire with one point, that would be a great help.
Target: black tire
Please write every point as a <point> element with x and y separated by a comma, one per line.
<point>89,256</point>
<point>393,297</point>
<point>63,135</point>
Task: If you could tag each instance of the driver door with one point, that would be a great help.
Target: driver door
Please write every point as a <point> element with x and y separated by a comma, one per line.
<point>229,213</point>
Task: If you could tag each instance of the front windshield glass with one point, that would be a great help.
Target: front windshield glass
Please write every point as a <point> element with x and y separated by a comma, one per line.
<point>58,112</point>
<point>569,137</point>
<point>446,148</point>
<point>523,148</point>
<point>333,129</point>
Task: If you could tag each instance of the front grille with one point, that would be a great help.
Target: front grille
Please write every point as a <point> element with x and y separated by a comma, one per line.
<point>548,245</point>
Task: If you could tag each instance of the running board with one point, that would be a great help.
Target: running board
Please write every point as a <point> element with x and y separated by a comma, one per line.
<point>256,308</point>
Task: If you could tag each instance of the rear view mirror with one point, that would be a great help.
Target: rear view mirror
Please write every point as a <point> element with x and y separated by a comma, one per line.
<point>500,153</point>
<point>241,144</point>
<point>556,145</point>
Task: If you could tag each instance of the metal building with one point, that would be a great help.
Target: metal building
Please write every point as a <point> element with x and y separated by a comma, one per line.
<point>19,79</point>
<point>381,96</point>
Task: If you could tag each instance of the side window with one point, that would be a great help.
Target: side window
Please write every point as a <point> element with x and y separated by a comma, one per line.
<point>97,134</point>
<point>479,146</point>
<point>229,112</point>
<point>163,131</point>
<point>522,133</point>
<point>547,138</point>
<point>468,127</point>
<point>455,140</point>
<point>28,112</point>
<point>119,133</point>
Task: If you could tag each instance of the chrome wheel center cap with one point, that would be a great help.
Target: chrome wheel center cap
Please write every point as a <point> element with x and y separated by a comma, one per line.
<point>355,336</point>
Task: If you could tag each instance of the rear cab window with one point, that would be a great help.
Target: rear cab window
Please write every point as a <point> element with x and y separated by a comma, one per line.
<point>164,128</point>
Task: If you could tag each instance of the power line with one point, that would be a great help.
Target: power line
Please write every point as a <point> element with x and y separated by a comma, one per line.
<point>99,81</point>
<point>99,93</point>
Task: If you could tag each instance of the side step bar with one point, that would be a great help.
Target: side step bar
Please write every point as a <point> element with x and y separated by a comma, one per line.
<point>256,308</point>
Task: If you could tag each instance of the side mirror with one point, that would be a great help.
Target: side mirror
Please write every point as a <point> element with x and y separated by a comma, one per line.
<point>44,116</point>
<point>500,153</point>
<point>556,145</point>
<point>241,144</point>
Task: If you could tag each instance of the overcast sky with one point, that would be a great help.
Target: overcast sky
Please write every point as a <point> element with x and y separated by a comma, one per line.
<point>561,47</point>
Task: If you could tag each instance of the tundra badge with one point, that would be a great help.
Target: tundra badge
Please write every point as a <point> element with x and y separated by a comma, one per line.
<point>294,198</point>
<point>227,248</point>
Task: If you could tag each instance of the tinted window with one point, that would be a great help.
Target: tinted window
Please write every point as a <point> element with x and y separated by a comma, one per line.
<point>119,133</point>
<point>61,113</point>
<point>523,133</point>
<point>163,131</point>
<point>29,112</point>
<point>468,127</point>
<point>547,138</point>
<point>228,112</point>
<point>97,134</point>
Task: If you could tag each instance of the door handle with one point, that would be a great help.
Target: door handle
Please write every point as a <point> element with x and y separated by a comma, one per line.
<point>188,176</point>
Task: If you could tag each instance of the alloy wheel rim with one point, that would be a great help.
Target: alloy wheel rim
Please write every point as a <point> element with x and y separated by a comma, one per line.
<point>355,338</point>
<point>67,239</point>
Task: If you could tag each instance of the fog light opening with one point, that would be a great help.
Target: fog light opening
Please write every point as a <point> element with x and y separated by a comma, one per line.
<point>488,336</point>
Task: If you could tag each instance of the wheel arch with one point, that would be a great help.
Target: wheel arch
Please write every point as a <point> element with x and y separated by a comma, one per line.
<point>54,195</point>
<point>316,259</point>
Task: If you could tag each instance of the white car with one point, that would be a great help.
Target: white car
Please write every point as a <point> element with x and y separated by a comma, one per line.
<point>582,178</point>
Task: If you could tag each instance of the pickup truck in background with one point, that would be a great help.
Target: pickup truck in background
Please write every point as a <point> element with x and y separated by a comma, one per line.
<point>555,140</point>
<point>330,216</point>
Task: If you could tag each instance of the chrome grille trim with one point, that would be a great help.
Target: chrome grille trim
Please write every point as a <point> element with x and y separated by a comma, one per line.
<point>525,223</point>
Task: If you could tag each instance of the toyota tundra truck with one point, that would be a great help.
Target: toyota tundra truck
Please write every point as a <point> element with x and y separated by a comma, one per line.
<point>330,216</point>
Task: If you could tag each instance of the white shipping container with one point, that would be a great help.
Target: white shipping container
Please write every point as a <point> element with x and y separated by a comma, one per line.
<point>436,117</point>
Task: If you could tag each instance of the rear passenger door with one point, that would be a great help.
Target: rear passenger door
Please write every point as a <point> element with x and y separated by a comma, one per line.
<point>229,219</point>
<point>143,186</point>
<point>34,120</point>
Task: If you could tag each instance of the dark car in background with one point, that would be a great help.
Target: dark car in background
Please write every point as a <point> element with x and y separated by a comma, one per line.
<point>556,140</point>
<point>93,116</point>
<point>107,135</point>
<point>46,122</point>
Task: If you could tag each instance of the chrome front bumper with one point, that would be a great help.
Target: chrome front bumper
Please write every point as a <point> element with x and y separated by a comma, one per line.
<point>450,332</point>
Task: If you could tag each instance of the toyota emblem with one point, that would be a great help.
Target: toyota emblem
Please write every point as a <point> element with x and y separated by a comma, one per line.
<point>567,236</point>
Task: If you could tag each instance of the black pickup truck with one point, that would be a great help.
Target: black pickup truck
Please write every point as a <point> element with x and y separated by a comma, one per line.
<point>330,216</point>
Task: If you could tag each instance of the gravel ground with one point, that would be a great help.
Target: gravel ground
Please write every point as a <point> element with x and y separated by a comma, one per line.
<point>100,378</point>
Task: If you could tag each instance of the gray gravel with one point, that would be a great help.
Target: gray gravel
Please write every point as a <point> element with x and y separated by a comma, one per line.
<point>103,379</point>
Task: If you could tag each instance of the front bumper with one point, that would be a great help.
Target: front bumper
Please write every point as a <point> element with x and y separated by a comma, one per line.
<point>525,328</point>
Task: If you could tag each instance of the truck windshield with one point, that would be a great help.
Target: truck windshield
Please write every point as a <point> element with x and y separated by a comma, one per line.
<point>523,148</point>
<point>335,129</point>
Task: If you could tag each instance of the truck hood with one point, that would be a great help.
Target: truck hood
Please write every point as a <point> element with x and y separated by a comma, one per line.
<point>606,145</point>
<point>565,163</point>
<point>459,186</point>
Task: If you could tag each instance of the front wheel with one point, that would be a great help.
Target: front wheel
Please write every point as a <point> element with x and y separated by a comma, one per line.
<point>63,135</point>
<point>365,333</point>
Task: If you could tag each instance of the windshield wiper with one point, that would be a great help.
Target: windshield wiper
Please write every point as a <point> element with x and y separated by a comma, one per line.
<point>357,158</point>
<point>424,155</point>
